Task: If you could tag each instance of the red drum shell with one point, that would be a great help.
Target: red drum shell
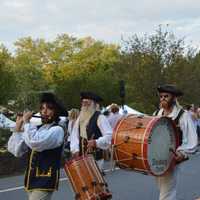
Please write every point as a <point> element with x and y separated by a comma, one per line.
<point>143,144</point>
<point>86,179</point>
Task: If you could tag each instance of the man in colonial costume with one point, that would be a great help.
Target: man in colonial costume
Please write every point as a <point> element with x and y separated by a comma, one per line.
<point>170,107</point>
<point>43,145</point>
<point>92,131</point>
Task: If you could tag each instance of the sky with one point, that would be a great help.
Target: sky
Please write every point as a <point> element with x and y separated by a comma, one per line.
<point>106,20</point>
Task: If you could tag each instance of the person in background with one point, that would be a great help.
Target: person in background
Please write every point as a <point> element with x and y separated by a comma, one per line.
<point>170,107</point>
<point>106,113</point>
<point>92,131</point>
<point>192,110</point>
<point>43,144</point>
<point>198,123</point>
<point>72,117</point>
<point>114,116</point>
<point>198,112</point>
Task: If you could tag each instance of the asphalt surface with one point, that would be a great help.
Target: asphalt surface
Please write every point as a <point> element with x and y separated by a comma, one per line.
<point>125,185</point>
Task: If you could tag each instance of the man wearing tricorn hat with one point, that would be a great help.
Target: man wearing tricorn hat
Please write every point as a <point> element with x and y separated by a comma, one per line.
<point>92,130</point>
<point>43,145</point>
<point>170,107</point>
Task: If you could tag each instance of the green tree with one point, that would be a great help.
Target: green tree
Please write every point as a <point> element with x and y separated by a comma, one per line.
<point>7,81</point>
<point>90,68</point>
<point>145,64</point>
<point>28,69</point>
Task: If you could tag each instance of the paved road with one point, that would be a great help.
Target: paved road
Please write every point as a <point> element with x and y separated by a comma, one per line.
<point>125,185</point>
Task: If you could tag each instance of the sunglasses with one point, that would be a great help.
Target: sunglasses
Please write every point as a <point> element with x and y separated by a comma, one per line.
<point>164,96</point>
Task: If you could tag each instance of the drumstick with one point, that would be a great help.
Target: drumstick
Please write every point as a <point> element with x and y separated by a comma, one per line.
<point>175,154</point>
<point>172,150</point>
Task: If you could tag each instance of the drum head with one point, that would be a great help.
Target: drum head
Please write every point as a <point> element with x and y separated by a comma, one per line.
<point>161,137</point>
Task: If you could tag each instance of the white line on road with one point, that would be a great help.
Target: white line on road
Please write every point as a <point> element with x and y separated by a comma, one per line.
<point>22,187</point>
<point>12,189</point>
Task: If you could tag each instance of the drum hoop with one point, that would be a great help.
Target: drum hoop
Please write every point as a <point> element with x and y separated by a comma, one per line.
<point>70,162</point>
<point>177,140</point>
<point>145,146</point>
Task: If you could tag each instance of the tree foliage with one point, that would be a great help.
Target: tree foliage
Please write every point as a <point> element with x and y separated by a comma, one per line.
<point>7,81</point>
<point>68,65</point>
<point>149,61</point>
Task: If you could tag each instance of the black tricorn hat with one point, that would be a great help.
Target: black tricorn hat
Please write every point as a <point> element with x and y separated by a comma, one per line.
<point>169,88</point>
<point>92,96</point>
<point>48,97</point>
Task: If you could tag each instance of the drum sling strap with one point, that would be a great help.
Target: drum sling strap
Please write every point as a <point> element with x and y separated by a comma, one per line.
<point>176,120</point>
<point>93,132</point>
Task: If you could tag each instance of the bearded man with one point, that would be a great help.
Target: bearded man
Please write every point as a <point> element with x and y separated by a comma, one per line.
<point>92,131</point>
<point>43,145</point>
<point>170,107</point>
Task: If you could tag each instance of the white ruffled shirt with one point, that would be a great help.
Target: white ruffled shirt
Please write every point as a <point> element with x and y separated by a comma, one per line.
<point>102,142</point>
<point>189,141</point>
<point>46,137</point>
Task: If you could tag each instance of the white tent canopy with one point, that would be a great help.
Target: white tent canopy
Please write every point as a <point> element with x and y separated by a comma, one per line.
<point>6,123</point>
<point>127,110</point>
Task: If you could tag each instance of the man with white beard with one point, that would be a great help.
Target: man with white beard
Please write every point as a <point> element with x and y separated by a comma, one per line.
<point>92,131</point>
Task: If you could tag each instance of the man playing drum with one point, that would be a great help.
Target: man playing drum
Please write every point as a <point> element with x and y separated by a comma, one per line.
<point>92,130</point>
<point>170,107</point>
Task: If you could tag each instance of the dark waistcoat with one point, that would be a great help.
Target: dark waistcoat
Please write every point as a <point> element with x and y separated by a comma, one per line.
<point>43,169</point>
<point>93,132</point>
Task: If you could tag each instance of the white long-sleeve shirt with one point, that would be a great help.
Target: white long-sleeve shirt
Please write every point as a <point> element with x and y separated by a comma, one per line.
<point>46,137</point>
<point>102,142</point>
<point>70,129</point>
<point>189,140</point>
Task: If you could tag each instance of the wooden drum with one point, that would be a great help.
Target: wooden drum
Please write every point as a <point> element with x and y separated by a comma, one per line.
<point>86,179</point>
<point>145,144</point>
